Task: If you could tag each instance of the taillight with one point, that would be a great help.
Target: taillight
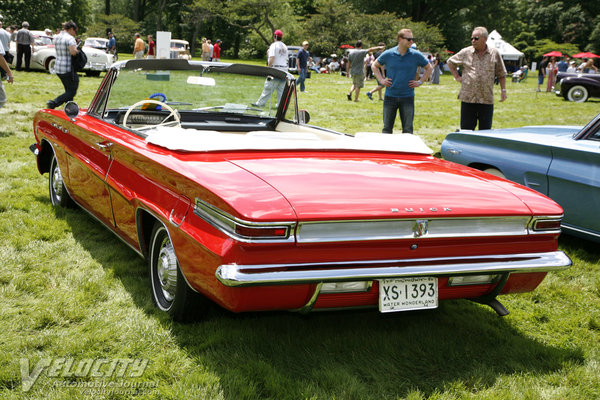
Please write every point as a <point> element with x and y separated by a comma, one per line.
<point>545,224</point>
<point>261,232</point>
<point>245,231</point>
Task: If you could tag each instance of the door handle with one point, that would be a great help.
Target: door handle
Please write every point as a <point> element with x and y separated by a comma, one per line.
<point>105,146</point>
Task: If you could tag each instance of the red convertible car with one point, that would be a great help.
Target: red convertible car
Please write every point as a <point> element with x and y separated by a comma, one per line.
<point>250,207</point>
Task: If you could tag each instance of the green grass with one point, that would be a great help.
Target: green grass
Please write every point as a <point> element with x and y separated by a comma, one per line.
<point>70,289</point>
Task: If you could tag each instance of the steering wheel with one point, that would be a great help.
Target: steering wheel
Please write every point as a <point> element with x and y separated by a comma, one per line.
<point>174,113</point>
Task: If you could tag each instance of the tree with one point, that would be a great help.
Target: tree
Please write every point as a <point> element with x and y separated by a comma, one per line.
<point>121,26</point>
<point>594,44</point>
<point>43,14</point>
<point>336,24</point>
<point>200,13</point>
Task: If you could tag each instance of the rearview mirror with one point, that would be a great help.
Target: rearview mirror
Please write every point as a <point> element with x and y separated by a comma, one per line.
<point>304,116</point>
<point>72,110</point>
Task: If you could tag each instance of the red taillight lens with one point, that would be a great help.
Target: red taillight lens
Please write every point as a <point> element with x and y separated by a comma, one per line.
<point>547,225</point>
<point>261,232</point>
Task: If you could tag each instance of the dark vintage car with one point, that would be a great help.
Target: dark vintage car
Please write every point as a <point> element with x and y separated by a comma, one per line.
<point>577,87</point>
<point>293,58</point>
<point>562,162</point>
<point>253,209</point>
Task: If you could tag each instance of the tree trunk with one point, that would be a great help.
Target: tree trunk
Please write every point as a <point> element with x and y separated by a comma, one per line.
<point>136,10</point>
<point>107,7</point>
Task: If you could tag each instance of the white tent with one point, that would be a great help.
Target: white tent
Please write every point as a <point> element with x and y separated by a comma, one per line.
<point>507,51</point>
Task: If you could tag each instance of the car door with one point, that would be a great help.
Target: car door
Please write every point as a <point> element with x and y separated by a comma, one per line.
<point>574,180</point>
<point>89,160</point>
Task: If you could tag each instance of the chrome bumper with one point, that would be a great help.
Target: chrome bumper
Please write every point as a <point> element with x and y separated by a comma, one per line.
<point>556,89</point>
<point>94,66</point>
<point>289,274</point>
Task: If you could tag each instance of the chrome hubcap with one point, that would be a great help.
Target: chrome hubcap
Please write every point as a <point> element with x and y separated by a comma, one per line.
<point>167,270</point>
<point>57,183</point>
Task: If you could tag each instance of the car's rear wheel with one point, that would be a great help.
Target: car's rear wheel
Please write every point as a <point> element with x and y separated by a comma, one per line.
<point>56,186</point>
<point>170,291</point>
<point>495,172</point>
<point>578,94</point>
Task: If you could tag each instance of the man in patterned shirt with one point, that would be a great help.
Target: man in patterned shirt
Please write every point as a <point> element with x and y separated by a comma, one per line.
<point>66,47</point>
<point>480,65</point>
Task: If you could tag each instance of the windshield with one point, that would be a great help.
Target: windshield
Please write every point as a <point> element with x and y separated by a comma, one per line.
<point>43,40</point>
<point>204,95</point>
<point>100,44</point>
<point>200,91</point>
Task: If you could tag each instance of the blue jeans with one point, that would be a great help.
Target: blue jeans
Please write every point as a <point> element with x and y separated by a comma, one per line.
<point>406,107</point>
<point>301,78</point>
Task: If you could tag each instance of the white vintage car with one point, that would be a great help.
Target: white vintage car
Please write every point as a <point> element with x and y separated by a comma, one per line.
<point>44,56</point>
<point>180,49</point>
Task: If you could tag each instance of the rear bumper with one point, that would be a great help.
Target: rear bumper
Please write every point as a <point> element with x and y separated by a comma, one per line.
<point>234,275</point>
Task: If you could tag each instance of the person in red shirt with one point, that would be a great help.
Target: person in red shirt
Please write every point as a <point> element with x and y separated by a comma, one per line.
<point>216,55</point>
<point>151,48</point>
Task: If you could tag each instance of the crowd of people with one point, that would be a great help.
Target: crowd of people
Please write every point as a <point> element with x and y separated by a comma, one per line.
<point>399,70</point>
<point>550,66</point>
<point>402,69</point>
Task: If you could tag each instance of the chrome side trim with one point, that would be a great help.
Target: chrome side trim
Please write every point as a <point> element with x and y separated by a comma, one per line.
<point>227,223</point>
<point>581,230</point>
<point>389,229</point>
<point>289,274</point>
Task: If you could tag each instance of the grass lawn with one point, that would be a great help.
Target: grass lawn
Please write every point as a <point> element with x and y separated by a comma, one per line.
<point>74,298</point>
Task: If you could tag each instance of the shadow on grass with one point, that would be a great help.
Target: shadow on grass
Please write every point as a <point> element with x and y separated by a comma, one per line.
<point>584,248</point>
<point>461,346</point>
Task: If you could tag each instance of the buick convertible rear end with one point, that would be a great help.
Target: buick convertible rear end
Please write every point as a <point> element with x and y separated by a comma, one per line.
<point>252,208</point>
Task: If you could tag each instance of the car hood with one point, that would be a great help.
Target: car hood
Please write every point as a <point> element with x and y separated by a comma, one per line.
<point>357,186</point>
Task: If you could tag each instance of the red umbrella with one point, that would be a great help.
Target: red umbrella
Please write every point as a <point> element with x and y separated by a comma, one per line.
<point>346,46</point>
<point>553,54</point>
<point>585,55</point>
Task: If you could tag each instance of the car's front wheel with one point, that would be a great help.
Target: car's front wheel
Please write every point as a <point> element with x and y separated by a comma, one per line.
<point>50,65</point>
<point>578,94</point>
<point>170,291</point>
<point>56,186</point>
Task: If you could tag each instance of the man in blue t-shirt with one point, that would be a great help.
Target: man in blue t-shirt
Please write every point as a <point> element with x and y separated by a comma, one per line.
<point>401,64</point>
<point>302,57</point>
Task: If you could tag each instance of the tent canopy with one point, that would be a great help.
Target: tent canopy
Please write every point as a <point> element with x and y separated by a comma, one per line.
<point>506,50</point>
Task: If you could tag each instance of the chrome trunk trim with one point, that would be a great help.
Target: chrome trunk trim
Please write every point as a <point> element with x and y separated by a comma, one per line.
<point>290,274</point>
<point>392,229</point>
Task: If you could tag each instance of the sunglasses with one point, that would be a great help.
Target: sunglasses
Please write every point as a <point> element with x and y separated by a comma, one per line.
<point>475,38</point>
<point>410,39</point>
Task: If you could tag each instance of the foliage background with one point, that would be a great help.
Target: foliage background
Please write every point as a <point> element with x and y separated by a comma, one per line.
<point>246,26</point>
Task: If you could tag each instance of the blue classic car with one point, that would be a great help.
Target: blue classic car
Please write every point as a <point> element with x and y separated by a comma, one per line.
<point>562,162</point>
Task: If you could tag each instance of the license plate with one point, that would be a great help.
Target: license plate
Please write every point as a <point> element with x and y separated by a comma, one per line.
<point>408,294</point>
